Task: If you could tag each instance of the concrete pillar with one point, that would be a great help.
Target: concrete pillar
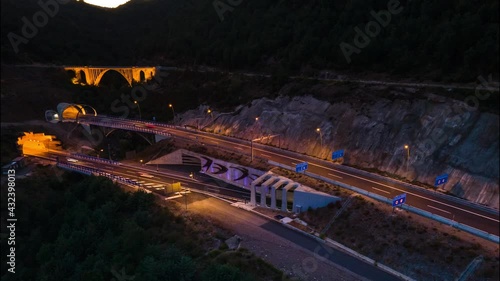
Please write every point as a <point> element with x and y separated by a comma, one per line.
<point>253,196</point>
<point>284,200</point>
<point>78,75</point>
<point>273,198</point>
<point>263,193</point>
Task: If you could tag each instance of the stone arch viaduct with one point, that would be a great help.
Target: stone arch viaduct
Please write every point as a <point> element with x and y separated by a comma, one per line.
<point>92,75</point>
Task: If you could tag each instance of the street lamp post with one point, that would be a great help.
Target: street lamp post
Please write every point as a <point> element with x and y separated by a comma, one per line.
<point>251,142</point>
<point>141,162</point>
<point>251,150</point>
<point>173,112</point>
<point>209,111</point>
<point>99,153</point>
<point>407,147</point>
<point>320,136</point>
<point>138,106</point>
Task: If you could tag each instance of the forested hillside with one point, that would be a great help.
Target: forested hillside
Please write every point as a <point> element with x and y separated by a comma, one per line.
<point>86,228</point>
<point>453,40</point>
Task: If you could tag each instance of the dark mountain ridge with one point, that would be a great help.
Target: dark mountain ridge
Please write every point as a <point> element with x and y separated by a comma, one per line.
<point>451,40</point>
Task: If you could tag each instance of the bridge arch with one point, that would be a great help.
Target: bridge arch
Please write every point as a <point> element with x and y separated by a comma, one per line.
<point>81,76</point>
<point>93,75</point>
<point>98,79</point>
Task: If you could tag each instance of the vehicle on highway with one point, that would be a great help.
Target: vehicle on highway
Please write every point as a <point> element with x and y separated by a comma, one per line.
<point>71,160</point>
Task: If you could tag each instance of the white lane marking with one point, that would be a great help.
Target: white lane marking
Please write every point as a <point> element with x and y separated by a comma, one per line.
<point>385,191</point>
<point>381,184</point>
<point>294,163</point>
<point>214,141</point>
<point>438,209</point>
<point>335,176</point>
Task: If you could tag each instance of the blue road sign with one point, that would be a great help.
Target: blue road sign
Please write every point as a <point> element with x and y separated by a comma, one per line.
<point>399,200</point>
<point>441,179</point>
<point>301,167</point>
<point>337,154</point>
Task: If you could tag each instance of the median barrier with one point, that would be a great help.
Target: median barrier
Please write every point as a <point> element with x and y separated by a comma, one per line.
<point>425,190</point>
<point>466,228</point>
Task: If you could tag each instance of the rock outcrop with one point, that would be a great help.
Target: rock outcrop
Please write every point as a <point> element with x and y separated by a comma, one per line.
<point>443,135</point>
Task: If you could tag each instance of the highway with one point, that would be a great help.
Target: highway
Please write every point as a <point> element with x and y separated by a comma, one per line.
<point>461,211</point>
<point>256,231</point>
<point>287,249</point>
<point>153,179</point>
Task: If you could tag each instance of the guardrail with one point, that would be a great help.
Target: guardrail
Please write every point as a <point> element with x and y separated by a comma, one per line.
<point>93,158</point>
<point>457,225</point>
<point>74,168</point>
<point>131,127</point>
<point>93,171</point>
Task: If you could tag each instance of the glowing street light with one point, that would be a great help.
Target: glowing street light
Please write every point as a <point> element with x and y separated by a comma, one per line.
<point>320,136</point>
<point>141,161</point>
<point>407,147</point>
<point>173,112</point>
<point>140,115</point>
<point>251,142</point>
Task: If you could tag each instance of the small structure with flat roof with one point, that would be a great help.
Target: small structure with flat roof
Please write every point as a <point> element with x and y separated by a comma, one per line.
<point>280,193</point>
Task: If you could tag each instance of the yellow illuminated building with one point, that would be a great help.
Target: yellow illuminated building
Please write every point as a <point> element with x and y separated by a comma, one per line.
<point>35,143</point>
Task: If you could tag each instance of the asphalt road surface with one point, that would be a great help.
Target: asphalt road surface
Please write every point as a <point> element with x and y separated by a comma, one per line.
<point>461,211</point>
<point>293,252</point>
<point>289,250</point>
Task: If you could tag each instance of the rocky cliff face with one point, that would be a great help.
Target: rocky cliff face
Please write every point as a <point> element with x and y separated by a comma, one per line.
<point>443,135</point>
